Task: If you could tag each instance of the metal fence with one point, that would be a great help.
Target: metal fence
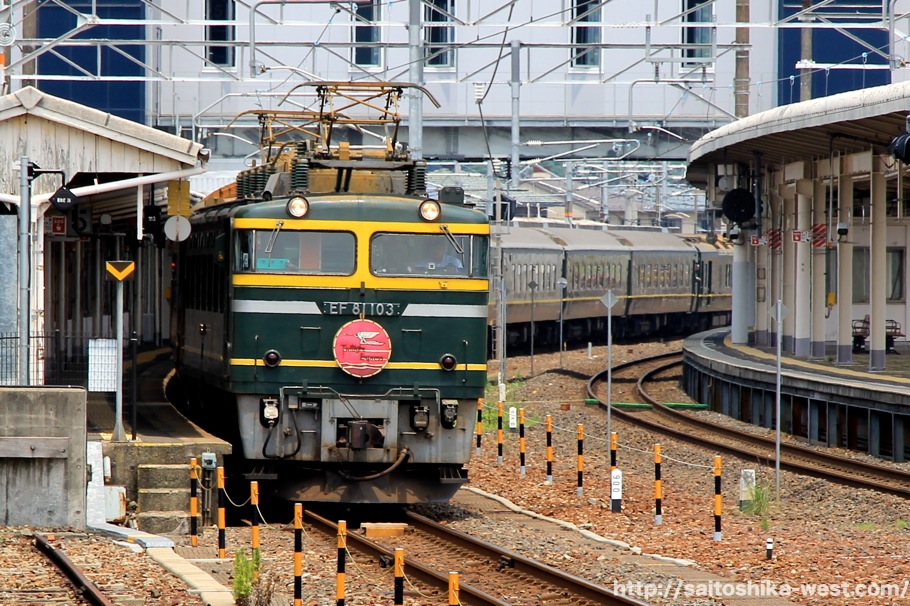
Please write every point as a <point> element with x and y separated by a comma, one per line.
<point>59,358</point>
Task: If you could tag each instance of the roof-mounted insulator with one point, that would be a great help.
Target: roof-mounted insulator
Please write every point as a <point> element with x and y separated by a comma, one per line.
<point>262,178</point>
<point>417,179</point>
<point>243,184</point>
<point>300,174</point>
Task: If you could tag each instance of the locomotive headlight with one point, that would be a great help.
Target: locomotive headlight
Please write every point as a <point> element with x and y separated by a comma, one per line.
<point>420,417</point>
<point>448,362</point>
<point>429,210</point>
<point>449,416</point>
<point>298,207</point>
<point>272,358</point>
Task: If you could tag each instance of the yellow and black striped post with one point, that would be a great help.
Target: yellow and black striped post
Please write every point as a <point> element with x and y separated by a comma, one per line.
<point>399,576</point>
<point>479,423</point>
<point>549,449</point>
<point>194,504</point>
<point>342,548</point>
<point>453,589</point>
<point>219,479</point>
<point>613,442</point>
<point>718,501</point>
<point>521,442</point>
<point>254,524</point>
<point>658,488</point>
<point>298,554</point>
<point>580,491</point>
<point>499,432</point>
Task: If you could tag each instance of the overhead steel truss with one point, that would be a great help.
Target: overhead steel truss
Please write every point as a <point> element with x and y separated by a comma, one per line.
<point>17,34</point>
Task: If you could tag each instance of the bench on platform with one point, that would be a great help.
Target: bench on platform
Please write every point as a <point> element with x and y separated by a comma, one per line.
<point>893,330</point>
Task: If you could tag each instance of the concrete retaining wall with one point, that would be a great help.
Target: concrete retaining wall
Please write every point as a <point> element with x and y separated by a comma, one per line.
<point>42,456</point>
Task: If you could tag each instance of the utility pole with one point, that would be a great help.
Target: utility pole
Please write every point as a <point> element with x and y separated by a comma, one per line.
<point>742,80</point>
<point>516,108</point>
<point>805,73</point>
<point>415,73</point>
<point>25,218</point>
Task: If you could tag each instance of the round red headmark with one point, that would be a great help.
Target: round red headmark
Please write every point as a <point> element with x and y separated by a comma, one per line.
<point>362,348</point>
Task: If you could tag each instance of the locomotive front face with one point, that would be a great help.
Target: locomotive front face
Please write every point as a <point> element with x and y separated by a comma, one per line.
<point>358,346</point>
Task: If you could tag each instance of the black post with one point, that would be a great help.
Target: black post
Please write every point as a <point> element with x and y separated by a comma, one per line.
<point>134,379</point>
<point>58,358</point>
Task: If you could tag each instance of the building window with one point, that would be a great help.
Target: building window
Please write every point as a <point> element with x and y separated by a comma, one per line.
<point>367,35</point>
<point>585,35</point>
<point>697,40</point>
<point>220,10</point>
<point>439,32</point>
<point>894,275</point>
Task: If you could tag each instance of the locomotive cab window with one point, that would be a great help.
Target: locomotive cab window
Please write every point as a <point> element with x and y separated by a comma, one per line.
<point>295,252</point>
<point>428,255</point>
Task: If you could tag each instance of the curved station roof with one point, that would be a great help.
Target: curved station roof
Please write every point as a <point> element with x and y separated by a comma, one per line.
<point>840,124</point>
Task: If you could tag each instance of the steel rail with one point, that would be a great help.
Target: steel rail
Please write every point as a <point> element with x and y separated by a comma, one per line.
<point>572,584</point>
<point>469,594</point>
<point>430,576</point>
<point>900,480</point>
<point>83,584</point>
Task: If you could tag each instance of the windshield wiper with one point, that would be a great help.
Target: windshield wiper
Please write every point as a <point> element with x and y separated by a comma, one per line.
<point>273,237</point>
<point>455,244</point>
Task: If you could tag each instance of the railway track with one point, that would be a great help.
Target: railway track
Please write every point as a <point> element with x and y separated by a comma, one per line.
<point>84,587</point>
<point>74,568</point>
<point>43,574</point>
<point>629,381</point>
<point>488,575</point>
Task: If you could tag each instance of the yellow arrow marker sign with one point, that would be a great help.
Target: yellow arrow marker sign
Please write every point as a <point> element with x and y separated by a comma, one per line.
<point>120,269</point>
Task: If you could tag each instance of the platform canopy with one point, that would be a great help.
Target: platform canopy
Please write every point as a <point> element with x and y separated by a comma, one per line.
<point>104,158</point>
<point>841,124</point>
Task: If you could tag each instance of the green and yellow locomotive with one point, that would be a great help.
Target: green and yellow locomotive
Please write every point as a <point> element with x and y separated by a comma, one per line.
<point>330,319</point>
